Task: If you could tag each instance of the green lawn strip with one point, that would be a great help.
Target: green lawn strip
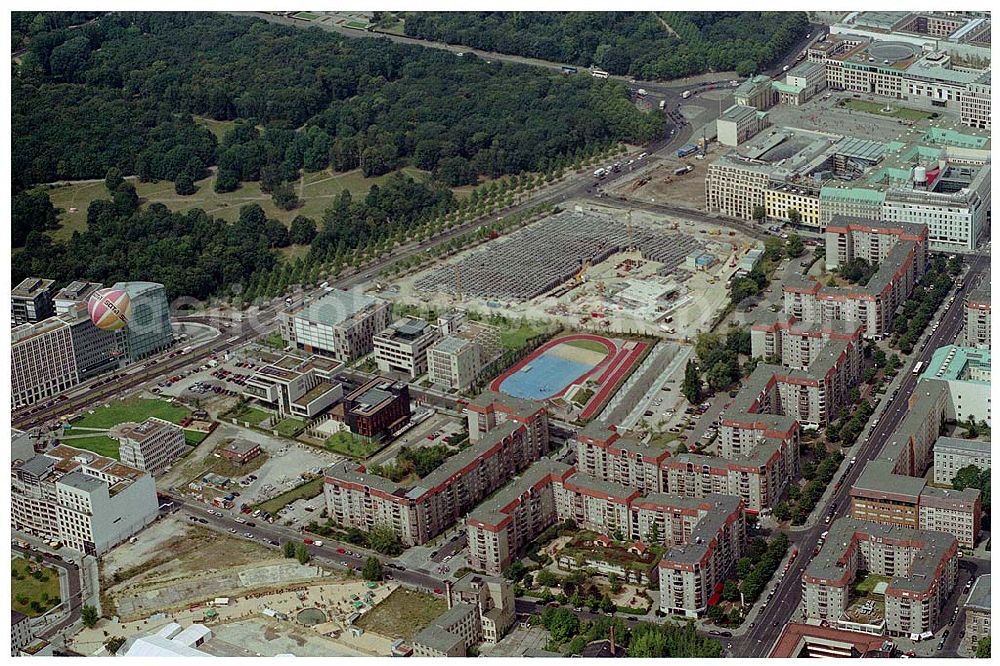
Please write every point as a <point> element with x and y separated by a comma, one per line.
<point>250,415</point>
<point>516,338</point>
<point>347,444</point>
<point>194,437</point>
<point>134,409</point>
<point>897,111</point>
<point>308,490</point>
<point>102,445</point>
<point>589,345</point>
<point>290,427</point>
<point>867,585</point>
<point>29,589</point>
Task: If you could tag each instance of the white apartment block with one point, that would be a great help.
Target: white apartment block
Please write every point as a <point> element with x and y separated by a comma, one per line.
<point>341,324</point>
<point>402,347</point>
<point>151,446</point>
<point>739,123</point>
<point>468,347</point>
<point>736,189</point>
<point>43,363</point>
<point>951,455</point>
<point>967,371</point>
<point>922,565</point>
<point>700,560</point>
<point>298,387</point>
<point>20,632</point>
<point>955,208</point>
<point>976,103</point>
<point>88,502</point>
<point>454,363</point>
<point>977,318</point>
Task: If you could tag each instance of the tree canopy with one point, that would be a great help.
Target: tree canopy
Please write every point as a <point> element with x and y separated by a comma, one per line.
<point>125,94</point>
<point>648,45</point>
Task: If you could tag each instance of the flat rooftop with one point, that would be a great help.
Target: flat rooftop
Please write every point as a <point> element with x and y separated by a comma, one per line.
<point>30,287</point>
<point>338,307</point>
<point>954,363</point>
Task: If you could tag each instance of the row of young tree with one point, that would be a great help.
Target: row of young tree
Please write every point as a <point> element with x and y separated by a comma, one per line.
<point>124,91</point>
<point>647,45</point>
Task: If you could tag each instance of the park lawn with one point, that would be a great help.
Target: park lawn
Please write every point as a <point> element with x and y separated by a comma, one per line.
<point>133,409</point>
<point>31,589</point>
<point>306,16</point>
<point>102,445</point>
<point>316,191</point>
<point>897,111</point>
<point>308,490</point>
<point>290,427</point>
<point>403,614</point>
<point>347,444</point>
<point>589,345</point>
<point>251,415</point>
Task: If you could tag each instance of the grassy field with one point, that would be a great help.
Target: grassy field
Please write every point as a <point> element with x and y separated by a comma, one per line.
<point>316,190</point>
<point>663,440</point>
<point>25,588</point>
<point>216,127</point>
<point>516,338</point>
<point>403,614</point>
<point>876,109</point>
<point>251,415</point>
<point>347,444</point>
<point>306,16</point>
<point>99,444</point>
<point>589,345</point>
<point>290,427</point>
<point>308,490</point>
<point>194,437</point>
<point>133,409</point>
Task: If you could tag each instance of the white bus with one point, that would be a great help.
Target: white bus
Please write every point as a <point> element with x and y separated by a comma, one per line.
<point>598,73</point>
<point>918,367</point>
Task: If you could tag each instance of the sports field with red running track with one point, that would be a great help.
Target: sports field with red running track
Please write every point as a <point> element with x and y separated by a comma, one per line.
<point>608,373</point>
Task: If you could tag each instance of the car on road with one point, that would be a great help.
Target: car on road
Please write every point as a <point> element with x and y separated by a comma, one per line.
<point>248,535</point>
<point>341,551</point>
<point>232,530</point>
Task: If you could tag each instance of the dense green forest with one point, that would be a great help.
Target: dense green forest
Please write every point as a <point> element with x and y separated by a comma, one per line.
<point>192,254</point>
<point>121,91</point>
<point>647,45</point>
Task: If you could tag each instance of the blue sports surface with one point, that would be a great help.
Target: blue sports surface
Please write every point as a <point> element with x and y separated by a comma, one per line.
<point>543,377</point>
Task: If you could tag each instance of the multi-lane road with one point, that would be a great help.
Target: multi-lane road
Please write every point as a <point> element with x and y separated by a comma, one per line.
<point>777,613</point>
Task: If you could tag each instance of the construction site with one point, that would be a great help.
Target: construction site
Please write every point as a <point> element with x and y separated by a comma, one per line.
<point>600,268</point>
